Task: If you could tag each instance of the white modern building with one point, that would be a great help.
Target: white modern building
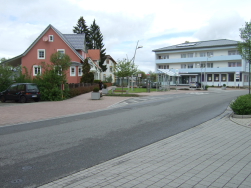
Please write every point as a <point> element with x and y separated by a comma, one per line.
<point>213,62</point>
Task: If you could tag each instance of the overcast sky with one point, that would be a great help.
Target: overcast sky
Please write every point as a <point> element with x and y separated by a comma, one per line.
<point>156,24</point>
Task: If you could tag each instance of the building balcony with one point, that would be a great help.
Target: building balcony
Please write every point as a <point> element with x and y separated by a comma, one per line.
<point>212,70</point>
<point>199,59</point>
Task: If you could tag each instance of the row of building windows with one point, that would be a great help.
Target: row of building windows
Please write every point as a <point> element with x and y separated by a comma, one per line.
<point>201,54</point>
<point>38,70</point>
<point>41,53</point>
<point>201,65</point>
<point>223,77</point>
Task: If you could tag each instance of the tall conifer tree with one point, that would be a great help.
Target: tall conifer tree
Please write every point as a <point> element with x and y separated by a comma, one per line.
<point>83,28</point>
<point>96,39</point>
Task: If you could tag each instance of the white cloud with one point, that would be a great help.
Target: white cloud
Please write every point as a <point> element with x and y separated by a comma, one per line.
<point>222,25</point>
<point>155,24</point>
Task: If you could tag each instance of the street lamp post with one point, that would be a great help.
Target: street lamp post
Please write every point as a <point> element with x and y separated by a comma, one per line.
<point>176,73</point>
<point>137,47</point>
<point>200,75</point>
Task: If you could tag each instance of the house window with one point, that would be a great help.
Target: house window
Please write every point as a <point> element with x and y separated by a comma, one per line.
<point>202,54</point>
<point>36,70</point>
<point>110,69</point>
<point>164,57</point>
<point>107,61</point>
<point>231,77</point>
<point>41,53</point>
<point>104,77</point>
<point>51,38</point>
<point>80,71</point>
<point>190,66</point>
<point>183,66</point>
<point>223,77</point>
<point>209,77</point>
<point>210,65</point>
<point>190,55</point>
<point>234,64</point>
<point>62,51</point>
<point>183,55</point>
<point>210,54</point>
<point>72,71</point>
<point>233,52</point>
<point>216,77</point>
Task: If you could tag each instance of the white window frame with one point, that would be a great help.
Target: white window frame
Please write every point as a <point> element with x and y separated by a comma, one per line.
<point>38,53</point>
<point>61,50</point>
<point>51,38</point>
<point>74,72</point>
<point>39,71</point>
<point>80,71</point>
<point>183,55</point>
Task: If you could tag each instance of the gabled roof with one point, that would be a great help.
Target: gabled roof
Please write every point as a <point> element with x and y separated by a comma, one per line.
<point>94,54</point>
<point>110,57</point>
<point>200,44</point>
<point>69,39</point>
<point>74,41</point>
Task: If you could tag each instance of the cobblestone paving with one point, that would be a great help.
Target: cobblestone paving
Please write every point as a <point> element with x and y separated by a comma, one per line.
<point>216,154</point>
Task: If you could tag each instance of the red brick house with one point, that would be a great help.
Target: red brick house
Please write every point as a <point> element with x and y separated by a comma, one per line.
<point>50,41</point>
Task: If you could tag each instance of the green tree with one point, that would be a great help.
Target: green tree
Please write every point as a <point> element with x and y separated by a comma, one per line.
<point>153,76</point>
<point>53,76</point>
<point>2,59</point>
<point>96,38</point>
<point>20,77</point>
<point>244,47</point>
<point>81,28</point>
<point>143,74</point>
<point>124,69</point>
<point>6,74</point>
<point>88,76</point>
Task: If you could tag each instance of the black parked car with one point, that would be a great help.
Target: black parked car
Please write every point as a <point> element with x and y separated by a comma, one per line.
<point>21,92</point>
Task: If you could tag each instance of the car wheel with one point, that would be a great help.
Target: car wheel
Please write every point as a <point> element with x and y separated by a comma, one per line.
<point>22,99</point>
<point>3,99</point>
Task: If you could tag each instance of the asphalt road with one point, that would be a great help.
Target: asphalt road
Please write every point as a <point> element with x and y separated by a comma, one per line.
<point>36,153</point>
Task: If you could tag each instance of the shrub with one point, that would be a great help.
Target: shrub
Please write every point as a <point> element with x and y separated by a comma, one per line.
<point>224,85</point>
<point>96,89</point>
<point>105,86</point>
<point>242,105</point>
<point>81,90</point>
<point>96,81</point>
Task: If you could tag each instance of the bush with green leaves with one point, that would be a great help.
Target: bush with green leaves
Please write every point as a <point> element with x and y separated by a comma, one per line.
<point>6,73</point>
<point>81,90</point>
<point>242,105</point>
<point>96,89</point>
<point>53,77</point>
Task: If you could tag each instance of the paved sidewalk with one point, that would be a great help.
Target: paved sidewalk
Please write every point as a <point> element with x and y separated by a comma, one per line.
<point>216,154</point>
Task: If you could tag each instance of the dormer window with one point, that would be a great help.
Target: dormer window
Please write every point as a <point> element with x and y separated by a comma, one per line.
<point>51,38</point>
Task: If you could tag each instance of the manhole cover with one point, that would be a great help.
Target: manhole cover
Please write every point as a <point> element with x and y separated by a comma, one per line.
<point>17,181</point>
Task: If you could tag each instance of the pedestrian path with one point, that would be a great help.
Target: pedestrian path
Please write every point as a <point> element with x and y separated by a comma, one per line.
<point>216,153</point>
